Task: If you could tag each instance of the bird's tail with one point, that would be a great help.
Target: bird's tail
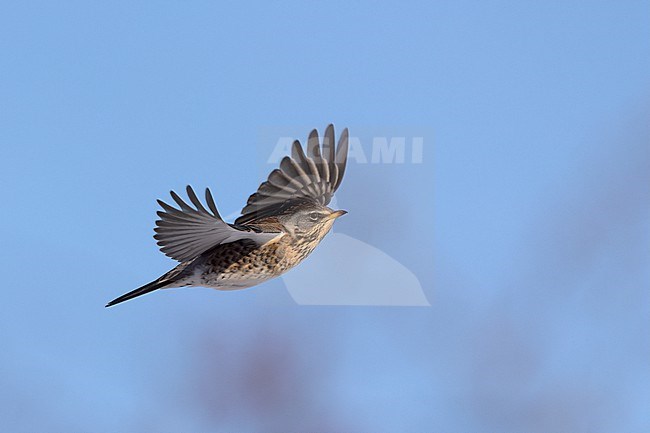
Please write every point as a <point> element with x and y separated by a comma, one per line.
<point>150,287</point>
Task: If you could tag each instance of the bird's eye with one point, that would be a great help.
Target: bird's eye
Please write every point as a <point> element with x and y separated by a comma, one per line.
<point>314,216</point>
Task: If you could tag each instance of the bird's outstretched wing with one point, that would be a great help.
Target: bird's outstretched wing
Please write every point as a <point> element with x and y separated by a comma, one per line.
<point>315,175</point>
<point>184,233</point>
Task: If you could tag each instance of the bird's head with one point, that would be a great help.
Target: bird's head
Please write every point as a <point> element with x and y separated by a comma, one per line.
<point>309,220</point>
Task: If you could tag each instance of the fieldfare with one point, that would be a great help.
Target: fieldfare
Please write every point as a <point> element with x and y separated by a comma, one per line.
<point>280,225</point>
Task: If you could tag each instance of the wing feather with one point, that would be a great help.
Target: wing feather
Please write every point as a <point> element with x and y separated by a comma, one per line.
<point>342,156</point>
<point>185,232</point>
<point>313,174</point>
<point>210,201</point>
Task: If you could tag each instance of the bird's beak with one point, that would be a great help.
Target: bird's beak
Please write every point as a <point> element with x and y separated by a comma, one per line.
<point>336,214</point>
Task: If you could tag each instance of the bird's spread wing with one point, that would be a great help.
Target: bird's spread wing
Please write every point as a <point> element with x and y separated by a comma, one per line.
<point>184,233</point>
<point>315,174</point>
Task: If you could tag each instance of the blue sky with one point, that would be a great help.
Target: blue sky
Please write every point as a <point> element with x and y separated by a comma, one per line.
<point>526,222</point>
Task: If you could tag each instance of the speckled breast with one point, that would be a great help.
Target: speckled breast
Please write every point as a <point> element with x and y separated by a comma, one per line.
<point>244,264</point>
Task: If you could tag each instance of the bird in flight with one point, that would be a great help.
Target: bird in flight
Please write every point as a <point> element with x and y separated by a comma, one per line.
<point>280,225</point>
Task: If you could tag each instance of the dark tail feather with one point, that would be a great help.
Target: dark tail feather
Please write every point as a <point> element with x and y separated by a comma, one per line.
<point>154,285</point>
